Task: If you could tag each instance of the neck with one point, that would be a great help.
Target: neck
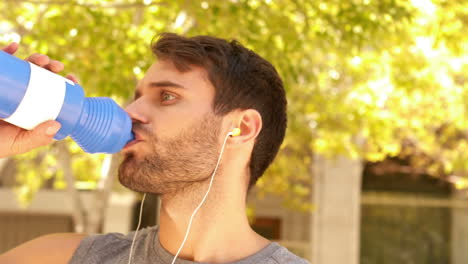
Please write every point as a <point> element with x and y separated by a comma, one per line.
<point>220,230</point>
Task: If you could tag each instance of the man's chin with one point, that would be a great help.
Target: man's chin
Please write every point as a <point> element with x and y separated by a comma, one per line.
<point>130,176</point>
<point>127,170</point>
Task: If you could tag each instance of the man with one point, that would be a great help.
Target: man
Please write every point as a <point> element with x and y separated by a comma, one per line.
<point>198,91</point>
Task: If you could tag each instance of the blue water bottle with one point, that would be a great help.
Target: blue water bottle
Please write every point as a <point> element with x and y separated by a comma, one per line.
<point>30,95</point>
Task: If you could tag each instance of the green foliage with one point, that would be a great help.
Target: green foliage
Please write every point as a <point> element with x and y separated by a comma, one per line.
<point>361,75</point>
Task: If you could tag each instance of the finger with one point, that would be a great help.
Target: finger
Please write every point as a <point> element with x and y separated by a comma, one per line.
<point>11,48</point>
<point>40,136</point>
<point>54,66</point>
<point>40,60</point>
<point>73,78</point>
<point>48,128</point>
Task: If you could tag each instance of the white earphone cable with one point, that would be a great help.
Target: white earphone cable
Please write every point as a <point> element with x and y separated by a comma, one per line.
<point>193,214</point>
<point>204,198</point>
<point>136,231</point>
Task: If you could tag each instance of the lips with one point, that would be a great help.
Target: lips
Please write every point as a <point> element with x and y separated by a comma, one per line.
<point>131,143</point>
<point>138,136</point>
<point>137,139</point>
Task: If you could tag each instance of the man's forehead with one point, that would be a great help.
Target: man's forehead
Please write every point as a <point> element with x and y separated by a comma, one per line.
<point>164,73</point>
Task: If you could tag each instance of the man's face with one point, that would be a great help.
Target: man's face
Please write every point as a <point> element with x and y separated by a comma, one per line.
<point>172,115</point>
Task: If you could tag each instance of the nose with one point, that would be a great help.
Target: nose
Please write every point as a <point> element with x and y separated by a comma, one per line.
<point>135,113</point>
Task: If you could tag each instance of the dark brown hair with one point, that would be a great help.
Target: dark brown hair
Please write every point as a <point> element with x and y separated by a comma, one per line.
<point>242,80</point>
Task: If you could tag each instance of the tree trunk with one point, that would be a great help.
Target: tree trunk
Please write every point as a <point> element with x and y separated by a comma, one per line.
<point>64,160</point>
<point>3,163</point>
<point>102,194</point>
<point>337,202</point>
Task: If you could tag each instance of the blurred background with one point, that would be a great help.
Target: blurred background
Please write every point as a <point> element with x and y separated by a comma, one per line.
<point>374,168</point>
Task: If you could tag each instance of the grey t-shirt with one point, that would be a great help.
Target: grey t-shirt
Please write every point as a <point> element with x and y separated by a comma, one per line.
<point>114,248</point>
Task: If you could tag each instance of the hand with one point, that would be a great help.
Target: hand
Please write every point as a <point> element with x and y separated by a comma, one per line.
<point>16,140</point>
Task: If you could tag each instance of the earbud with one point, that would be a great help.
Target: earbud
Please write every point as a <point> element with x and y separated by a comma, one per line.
<point>235,132</point>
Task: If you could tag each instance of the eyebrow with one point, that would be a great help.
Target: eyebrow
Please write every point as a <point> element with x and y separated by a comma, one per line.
<point>160,84</point>
<point>166,84</point>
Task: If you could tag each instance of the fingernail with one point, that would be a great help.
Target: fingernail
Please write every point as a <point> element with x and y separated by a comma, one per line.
<point>52,130</point>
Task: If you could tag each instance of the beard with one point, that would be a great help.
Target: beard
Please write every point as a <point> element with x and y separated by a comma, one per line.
<point>174,163</point>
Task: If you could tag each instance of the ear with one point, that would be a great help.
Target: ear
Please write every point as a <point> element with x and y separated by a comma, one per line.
<point>250,124</point>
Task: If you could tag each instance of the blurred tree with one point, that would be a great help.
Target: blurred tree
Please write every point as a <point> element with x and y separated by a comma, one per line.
<point>361,75</point>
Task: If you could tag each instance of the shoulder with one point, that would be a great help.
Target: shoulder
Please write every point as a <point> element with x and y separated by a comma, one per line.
<point>108,248</point>
<point>283,255</point>
<point>53,248</point>
<point>98,241</point>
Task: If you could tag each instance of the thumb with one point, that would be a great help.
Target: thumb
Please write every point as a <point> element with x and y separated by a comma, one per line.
<point>48,128</point>
<point>40,136</point>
